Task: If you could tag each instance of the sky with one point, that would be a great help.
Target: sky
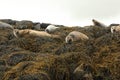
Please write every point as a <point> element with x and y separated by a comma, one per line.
<point>63,12</point>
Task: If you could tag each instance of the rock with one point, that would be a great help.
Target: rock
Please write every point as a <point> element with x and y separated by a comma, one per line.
<point>37,26</point>
<point>24,24</point>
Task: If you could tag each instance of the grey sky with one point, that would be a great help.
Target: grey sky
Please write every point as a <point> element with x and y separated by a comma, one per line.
<point>69,12</point>
<point>90,8</point>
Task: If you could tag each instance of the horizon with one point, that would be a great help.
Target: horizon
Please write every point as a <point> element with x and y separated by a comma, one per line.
<point>64,12</point>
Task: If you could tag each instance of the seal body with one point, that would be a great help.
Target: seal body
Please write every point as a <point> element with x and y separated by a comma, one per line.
<point>75,36</point>
<point>97,23</point>
<point>115,29</point>
<point>50,28</point>
<point>5,25</point>
<point>9,28</point>
<point>31,33</point>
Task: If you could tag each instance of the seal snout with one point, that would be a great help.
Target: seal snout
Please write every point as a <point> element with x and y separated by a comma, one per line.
<point>46,30</point>
<point>69,41</point>
<point>115,29</point>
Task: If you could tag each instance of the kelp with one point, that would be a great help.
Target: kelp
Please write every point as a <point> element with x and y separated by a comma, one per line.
<point>47,58</point>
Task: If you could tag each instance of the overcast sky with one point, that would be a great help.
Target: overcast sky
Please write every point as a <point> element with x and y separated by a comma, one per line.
<point>66,12</point>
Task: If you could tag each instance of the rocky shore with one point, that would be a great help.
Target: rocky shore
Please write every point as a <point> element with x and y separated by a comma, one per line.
<point>46,58</point>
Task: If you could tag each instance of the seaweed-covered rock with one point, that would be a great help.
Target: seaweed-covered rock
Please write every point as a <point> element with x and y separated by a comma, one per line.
<point>17,57</point>
<point>35,76</point>
<point>9,21</point>
<point>24,24</point>
<point>36,26</point>
<point>46,67</point>
<point>48,58</point>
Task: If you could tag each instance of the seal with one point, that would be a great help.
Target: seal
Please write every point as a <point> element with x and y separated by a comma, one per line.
<point>5,25</point>
<point>32,33</point>
<point>75,36</point>
<point>9,27</point>
<point>50,28</point>
<point>29,32</point>
<point>97,23</point>
<point>115,29</point>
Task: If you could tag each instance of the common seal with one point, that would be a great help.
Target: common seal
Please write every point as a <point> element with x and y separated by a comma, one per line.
<point>50,28</point>
<point>97,23</point>
<point>75,36</point>
<point>32,33</point>
<point>83,72</point>
<point>7,26</point>
<point>115,29</point>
